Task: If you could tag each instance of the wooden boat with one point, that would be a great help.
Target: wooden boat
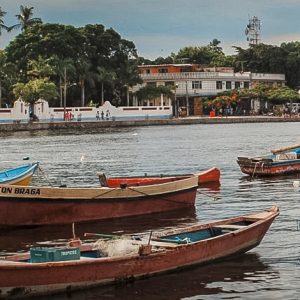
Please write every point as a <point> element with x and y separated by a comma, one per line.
<point>204,177</point>
<point>280,162</point>
<point>62,205</point>
<point>108,261</point>
<point>21,175</point>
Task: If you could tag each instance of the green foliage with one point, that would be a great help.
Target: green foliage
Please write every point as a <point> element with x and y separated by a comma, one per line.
<point>35,89</point>
<point>151,92</point>
<point>82,51</point>
<point>25,18</point>
<point>40,67</point>
<point>282,95</point>
<point>284,59</point>
<point>2,26</point>
<point>210,55</point>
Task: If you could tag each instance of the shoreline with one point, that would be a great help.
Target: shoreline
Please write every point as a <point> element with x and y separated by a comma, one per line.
<point>78,125</point>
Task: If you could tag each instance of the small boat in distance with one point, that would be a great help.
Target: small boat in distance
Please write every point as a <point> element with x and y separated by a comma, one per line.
<point>109,261</point>
<point>21,175</point>
<point>205,177</point>
<point>20,206</point>
<point>282,161</point>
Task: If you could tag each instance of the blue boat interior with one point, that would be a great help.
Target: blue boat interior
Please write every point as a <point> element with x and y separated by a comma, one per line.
<point>203,234</point>
<point>16,172</point>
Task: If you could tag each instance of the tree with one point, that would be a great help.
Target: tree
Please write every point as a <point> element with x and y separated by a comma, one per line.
<point>97,46</point>
<point>2,26</point>
<point>25,18</point>
<point>8,76</point>
<point>105,76</point>
<point>40,68</point>
<point>205,55</point>
<point>149,92</point>
<point>35,89</point>
<point>282,95</point>
<point>83,67</point>
<point>62,67</point>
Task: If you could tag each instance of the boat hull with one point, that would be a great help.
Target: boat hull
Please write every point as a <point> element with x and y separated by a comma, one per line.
<point>48,206</point>
<point>19,176</point>
<point>24,279</point>
<point>208,176</point>
<point>268,168</point>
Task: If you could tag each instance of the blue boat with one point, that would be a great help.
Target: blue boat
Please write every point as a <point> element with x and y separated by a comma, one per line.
<point>21,175</point>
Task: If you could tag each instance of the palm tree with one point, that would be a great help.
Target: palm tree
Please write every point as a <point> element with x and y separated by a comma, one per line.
<point>40,68</point>
<point>83,67</point>
<point>25,18</point>
<point>105,76</point>
<point>2,26</point>
<point>61,68</point>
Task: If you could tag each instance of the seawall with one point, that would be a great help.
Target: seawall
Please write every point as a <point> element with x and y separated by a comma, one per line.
<point>76,125</point>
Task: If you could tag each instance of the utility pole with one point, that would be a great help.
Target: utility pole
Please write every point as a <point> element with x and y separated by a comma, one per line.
<point>0,93</point>
<point>187,99</point>
<point>65,92</point>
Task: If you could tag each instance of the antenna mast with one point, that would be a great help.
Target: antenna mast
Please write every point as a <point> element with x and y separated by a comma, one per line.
<point>252,31</point>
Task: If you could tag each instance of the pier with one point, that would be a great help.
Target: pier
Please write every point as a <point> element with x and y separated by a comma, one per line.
<point>94,125</point>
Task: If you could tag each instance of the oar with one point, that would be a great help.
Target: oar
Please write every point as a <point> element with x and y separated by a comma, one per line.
<point>114,236</point>
<point>275,151</point>
<point>101,235</point>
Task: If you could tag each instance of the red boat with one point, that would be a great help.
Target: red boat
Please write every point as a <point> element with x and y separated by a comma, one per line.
<point>282,161</point>
<point>58,205</point>
<point>108,261</point>
<point>208,176</point>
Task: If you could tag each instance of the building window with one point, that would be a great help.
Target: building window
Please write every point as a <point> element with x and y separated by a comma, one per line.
<point>148,71</point>
<point>228,85</point>
<point>237,85</point>
<point>246,85</point>
<point>163,70</point>
<point>218,85</point>
<point>196,84</point>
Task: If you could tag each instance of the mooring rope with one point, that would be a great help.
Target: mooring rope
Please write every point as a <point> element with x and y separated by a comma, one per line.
<point>254,169</point>
<point>142,193</point>
<point>45,176</point>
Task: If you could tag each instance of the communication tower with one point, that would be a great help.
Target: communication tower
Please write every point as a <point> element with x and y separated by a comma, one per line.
<point>252,31</point>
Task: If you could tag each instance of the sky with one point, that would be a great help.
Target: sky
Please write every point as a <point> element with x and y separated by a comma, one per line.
<point>160,27</point>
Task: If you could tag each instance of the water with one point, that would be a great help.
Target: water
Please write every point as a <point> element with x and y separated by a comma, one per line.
<point>269,271</point>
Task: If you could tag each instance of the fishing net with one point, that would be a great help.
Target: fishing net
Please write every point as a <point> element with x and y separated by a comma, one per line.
<point>116,247</point>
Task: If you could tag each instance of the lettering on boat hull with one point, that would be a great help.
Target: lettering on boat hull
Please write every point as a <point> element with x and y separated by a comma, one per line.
<point>20,191</point>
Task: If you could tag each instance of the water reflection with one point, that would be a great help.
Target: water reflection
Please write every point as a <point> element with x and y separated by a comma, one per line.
<point>15,239</point>
<point>198,282</point>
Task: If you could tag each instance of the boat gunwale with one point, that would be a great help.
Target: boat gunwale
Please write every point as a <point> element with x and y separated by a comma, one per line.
<point>160,189</point>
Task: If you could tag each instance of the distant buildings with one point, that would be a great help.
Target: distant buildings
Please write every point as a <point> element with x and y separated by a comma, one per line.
<point>193,81</point>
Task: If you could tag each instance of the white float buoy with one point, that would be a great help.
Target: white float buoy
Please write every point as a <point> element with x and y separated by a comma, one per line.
<point>82,158</point>
<point>296,183</point>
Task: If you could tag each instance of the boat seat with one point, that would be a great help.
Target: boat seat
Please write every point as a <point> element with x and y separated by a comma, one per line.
<point>229,226</point>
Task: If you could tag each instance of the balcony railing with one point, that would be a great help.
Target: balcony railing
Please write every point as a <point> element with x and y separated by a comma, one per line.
<point>211,76</point>
<point>195,75</point>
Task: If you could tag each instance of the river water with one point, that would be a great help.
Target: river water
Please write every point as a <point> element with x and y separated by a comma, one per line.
<point>269,271</point>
